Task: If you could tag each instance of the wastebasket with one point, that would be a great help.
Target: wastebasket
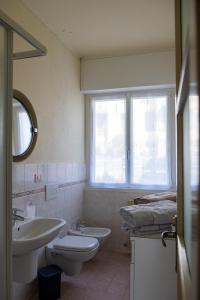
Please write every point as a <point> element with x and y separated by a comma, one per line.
<point>49,279</point>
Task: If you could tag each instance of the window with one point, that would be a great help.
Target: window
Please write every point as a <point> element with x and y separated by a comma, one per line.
<point>149,159</point>
<point>109,141</point>
<point>132,140</point>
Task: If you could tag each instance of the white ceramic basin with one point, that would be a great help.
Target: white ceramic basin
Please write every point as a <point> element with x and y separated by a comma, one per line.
<point>97,232</point>
<point>34,234</point>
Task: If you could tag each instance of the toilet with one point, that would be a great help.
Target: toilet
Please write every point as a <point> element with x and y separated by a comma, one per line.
<point>70,252</point>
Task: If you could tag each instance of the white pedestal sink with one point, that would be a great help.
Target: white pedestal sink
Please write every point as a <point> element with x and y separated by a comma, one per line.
<point>28,237</point>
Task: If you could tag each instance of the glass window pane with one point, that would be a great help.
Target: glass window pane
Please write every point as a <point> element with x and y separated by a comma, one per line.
<point>149,162</point>
<point>109,141</point>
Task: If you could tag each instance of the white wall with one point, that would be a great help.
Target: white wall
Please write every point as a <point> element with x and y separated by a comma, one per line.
<point>101,206</point>
<point>128,71</point>
<point>52,84</point>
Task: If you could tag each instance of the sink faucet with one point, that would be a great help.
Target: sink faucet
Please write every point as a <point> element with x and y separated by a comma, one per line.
<point>79,224</point>
<point>16,216</point>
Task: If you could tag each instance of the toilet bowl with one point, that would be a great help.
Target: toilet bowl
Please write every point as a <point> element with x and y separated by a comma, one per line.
<point>70,252</point>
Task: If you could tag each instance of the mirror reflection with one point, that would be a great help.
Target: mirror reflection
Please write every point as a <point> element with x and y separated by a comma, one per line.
<point>22,128</point>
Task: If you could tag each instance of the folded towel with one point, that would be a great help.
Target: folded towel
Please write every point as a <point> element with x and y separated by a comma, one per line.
<point>155,197</point>
<point>154,213</point>
<point>144,230</point>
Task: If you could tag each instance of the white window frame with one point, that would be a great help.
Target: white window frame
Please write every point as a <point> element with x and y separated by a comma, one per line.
<point>170,93</point>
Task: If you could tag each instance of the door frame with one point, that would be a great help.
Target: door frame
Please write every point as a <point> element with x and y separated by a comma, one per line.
<point>10,27</point>
<point>184,278</point>
<point>6,164</point>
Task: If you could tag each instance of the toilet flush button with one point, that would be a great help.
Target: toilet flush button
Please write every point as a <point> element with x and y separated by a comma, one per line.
<point>51,191</point>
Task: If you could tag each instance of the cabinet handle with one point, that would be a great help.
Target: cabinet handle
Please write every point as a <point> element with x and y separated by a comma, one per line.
<point>173,235</point>
<point>167,234</point>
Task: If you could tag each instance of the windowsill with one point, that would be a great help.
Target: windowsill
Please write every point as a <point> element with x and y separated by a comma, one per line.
<point>151,189</point>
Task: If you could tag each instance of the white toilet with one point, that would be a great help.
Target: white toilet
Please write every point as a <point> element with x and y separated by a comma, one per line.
<point>70,252</point>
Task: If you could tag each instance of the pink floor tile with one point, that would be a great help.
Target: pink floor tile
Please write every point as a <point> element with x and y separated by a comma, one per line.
<point>104,277</point>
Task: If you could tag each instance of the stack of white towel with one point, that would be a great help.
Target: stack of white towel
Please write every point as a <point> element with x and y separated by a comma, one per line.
<point>148,218</point>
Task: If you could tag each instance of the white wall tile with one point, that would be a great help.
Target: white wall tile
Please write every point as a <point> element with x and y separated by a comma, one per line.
<point>18,176</point>
<point>42,173</point>
<point>69,172</point>
<point>61,172</point>
<point>20,203</point>
<point>75,171</point>
<point>30,173</point>
<point>51,172</point>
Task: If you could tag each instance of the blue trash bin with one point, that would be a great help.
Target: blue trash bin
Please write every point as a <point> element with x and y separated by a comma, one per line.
<point>49,279</point>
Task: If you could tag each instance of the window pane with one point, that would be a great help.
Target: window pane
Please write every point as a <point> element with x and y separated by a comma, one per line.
<point>109,141</point>
<point>149,163</point>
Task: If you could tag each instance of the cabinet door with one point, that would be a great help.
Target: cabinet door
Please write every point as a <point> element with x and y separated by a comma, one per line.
<point>154,274</point>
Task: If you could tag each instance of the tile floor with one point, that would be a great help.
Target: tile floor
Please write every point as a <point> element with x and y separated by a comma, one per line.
<point>104,277</point>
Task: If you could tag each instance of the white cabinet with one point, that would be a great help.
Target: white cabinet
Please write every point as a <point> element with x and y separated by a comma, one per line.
<point>152,269</point>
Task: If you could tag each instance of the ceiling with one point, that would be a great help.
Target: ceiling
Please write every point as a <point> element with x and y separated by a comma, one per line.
<point>99,28</point>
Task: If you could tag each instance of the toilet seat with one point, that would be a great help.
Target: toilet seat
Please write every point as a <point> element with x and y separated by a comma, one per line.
<point>75,243</point>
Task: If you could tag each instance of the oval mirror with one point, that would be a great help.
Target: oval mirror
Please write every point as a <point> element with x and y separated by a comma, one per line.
<point>24,127</point>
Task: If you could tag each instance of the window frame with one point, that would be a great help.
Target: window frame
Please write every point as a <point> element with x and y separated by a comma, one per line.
<point>171,148</point>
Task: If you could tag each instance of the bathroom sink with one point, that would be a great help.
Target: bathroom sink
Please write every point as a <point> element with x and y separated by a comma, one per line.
<point>35,233</point>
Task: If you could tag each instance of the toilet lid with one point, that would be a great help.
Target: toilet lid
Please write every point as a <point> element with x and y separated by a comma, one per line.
<point>76,243</point>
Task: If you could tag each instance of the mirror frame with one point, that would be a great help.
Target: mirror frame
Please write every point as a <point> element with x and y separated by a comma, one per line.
<point>30,111</point>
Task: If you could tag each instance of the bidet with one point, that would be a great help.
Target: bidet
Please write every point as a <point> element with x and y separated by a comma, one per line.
<point>96,232</point>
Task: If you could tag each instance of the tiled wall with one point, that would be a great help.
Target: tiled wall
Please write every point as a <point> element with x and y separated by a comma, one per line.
<point>101,208</point>
<point>24,175</point>
<point>29,182</point>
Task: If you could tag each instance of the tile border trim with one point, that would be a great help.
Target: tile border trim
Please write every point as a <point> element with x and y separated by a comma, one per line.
<point>42,189</point>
